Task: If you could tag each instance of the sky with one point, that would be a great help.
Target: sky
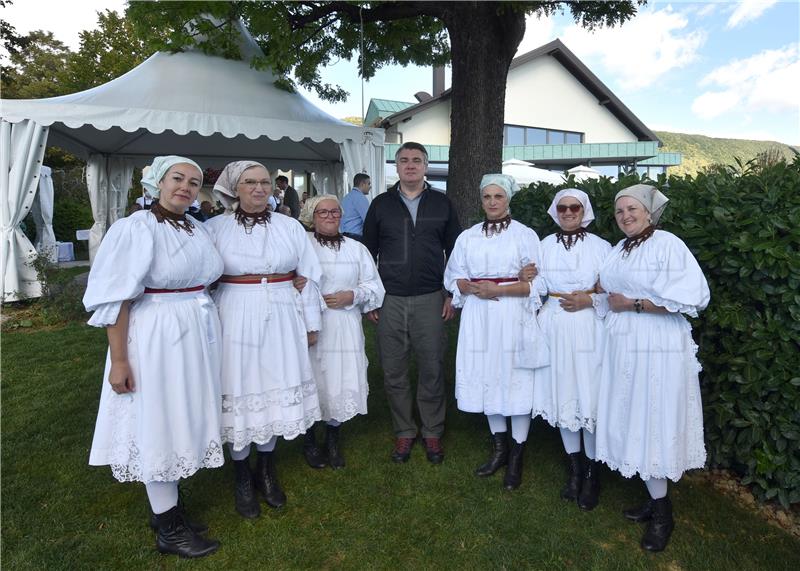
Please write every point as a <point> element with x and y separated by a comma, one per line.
<point>722,69</point>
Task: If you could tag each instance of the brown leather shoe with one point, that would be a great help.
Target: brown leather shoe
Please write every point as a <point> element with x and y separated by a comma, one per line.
<point>402,449</point>
<point>434,450</point>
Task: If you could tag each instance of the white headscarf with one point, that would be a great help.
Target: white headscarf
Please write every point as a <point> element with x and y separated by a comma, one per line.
<point>588,213</point>
<point>504,181</point>
<point>310,205</point>
<point>153,175</point>
<point>650,197</point>
<point>225,188</point>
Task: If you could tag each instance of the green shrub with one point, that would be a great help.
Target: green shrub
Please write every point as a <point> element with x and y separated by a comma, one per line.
<point>741,223</point>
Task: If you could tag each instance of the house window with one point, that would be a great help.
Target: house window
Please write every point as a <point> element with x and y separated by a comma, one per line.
<point>514,135</point>
<point>517,135</point>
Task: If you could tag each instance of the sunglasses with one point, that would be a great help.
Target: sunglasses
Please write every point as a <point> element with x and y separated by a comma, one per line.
<point>571,207</point>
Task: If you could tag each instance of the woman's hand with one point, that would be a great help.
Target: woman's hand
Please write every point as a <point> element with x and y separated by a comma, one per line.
<point>339,300</point>
<point>121,378</point>
<point>299,282</point>
<point>484,290</point>
<point>374,315</point>
<point>312,336</point>
<point>528,272</point>
<point>618,303</point>
<point>577,301</point>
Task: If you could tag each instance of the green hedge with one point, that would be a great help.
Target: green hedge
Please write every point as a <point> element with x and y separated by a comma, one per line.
<point>741,222</point>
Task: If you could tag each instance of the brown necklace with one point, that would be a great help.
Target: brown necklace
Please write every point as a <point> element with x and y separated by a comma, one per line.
<point>177,221</point>
<point>570,237</point>
<point>493,227</point>
<point>249,220</point>
<point>333,242</point>
<point>634,242</point>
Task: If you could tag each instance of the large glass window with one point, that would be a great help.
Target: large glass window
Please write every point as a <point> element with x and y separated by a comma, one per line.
<point>515,135</point>
<point>519,135</point>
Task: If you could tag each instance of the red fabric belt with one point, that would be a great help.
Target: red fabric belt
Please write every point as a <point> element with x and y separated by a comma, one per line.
<point>495,280</point>
<point>179,290</point>
<point>256,279</point>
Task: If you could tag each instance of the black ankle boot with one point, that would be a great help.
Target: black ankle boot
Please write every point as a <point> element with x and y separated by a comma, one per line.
<point>315,457</point>
<point>572,488</point>
<point>335,458</point>
<point>267,480</point>
<point>245,496</point>
<point>513,477</point>
<point>641,513</point>
<point>195,526</point>
<point>590,486</point>
<point>174,537</point>
<point>660,527</point>
<point>499,457</point>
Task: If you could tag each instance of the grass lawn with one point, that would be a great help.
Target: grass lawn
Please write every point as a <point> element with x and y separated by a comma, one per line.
<point>60,513</point>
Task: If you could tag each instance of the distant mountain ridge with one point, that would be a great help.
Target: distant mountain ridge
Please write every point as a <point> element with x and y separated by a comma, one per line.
<point>700,151</point>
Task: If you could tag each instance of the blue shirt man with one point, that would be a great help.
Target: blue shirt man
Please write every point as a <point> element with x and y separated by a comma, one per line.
<point>355,206</point>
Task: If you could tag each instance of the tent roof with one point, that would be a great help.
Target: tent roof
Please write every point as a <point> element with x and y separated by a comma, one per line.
<point>226,102</point>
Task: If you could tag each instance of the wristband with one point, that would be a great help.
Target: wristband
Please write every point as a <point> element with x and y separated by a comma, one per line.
<point>637,305</point>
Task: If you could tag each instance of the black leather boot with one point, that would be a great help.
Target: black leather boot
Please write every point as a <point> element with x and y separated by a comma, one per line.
<point>267,480</point>
<point>572,488</point>
<point>590,486</point>
<point>315,457</point>
<point>245,497</point>
<point>499,457</point>
<point>335,458</point>
<point>196,526</point>
<point>641,513</point>
<point>174,537</point>
<point>660,527</point>
<point>513,477</point>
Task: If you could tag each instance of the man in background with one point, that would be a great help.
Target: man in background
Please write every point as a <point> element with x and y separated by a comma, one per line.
<point>290,197</point>
<point>355,206</point>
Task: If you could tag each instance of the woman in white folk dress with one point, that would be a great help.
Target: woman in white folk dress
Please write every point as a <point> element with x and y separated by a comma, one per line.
<point>565,392</point>
<point>499,342</point>
<point>159,415</point>
<point>350,286</point>
<point>650,416</point>
<point>268,386</point>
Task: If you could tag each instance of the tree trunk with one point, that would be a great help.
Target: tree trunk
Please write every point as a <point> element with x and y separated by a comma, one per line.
<point>483,40</point>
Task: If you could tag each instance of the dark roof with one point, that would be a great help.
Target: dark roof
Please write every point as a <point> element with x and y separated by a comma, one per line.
<point>576,67</point>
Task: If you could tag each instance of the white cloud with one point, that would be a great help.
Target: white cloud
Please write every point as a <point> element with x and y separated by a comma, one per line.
<point>642,50</point>
<point>768,80</point>
<point>747,11</point>
<point>538,31</point>
<point>706,10</point>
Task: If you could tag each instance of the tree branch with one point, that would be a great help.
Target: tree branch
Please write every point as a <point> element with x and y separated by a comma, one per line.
<point>384,12</point>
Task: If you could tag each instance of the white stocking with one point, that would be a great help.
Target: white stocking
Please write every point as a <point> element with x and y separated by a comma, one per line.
<point>589,440</point>
<point>163,496</point>
<point>571,440</point>
<point>520,425</point>
<point>268,446</point>
<point>238,455</point>
<point>497,423</point>
<point>657,487</point>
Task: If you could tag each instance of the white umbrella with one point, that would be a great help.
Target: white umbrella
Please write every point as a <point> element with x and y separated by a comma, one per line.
<point>582,172</point>
<point>525,173</point>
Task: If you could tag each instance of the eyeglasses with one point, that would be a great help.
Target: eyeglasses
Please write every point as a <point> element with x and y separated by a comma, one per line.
<point>325,213</point>
<point>574,208</point>
<point>249,183</point>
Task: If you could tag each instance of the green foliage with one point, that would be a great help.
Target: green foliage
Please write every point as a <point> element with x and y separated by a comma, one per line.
<point>741,224</point>
<point>62,295</point>
<point>71,208</point>
<point>701,152</point>
<point>36,70</point>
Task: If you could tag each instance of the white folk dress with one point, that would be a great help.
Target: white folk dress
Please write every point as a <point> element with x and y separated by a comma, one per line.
<point>650,416</point>
<point>169,427</point>
<point>565,392</point>
<point>338,359</point>
<point>268,386</point>
<point>499,342</point>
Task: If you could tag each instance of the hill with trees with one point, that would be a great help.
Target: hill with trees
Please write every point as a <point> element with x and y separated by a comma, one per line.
<point>700,152</point>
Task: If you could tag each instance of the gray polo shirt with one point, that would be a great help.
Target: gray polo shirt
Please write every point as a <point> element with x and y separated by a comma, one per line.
<point>411,203</point>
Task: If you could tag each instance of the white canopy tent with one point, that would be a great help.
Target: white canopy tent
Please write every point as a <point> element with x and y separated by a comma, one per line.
<point>525,173</point>
<point>582,172</point>
<point>210,109</point>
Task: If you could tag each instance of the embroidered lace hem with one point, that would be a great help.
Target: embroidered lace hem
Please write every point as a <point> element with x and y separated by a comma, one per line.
<point>239,438</point>
<point>175,467</point>
<point>573,424</point>
<point>674,473</point>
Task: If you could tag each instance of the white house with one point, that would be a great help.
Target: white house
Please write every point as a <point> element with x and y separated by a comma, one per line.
<point>558,115</point>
